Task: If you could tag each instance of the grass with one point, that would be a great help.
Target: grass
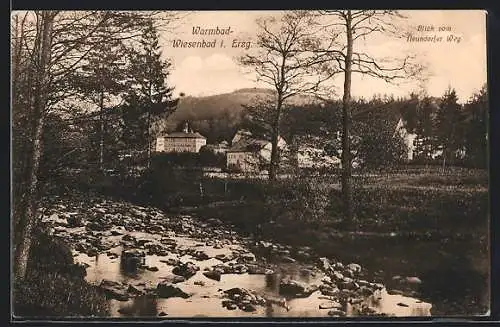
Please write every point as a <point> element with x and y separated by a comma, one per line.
<point>54,286</point>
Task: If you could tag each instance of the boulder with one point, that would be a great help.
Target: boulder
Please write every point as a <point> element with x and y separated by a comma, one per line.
<point>201,255</point>
<point>413,280</point>
<point>186,270</point>
<point>75,221</point>
<point>167,290</point>
<point>328,290</point>
<point>133,290</point>
<point>290,287</point>
<point>246,257</point>
<point>354,267</point>
<point>213,274</point>
<point>131,260</point>
<point>114,290</point>
<point>330,305</point>
<point>258,270</point>
<point>336,313</point>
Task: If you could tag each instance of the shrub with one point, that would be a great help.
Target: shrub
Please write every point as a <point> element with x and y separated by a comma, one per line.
<point>54,286</point>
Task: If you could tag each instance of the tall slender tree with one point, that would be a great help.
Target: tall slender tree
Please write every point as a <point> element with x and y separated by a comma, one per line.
<point>476,129</point>
<point>448,126</point>
<point>149,93</point>
<point>344,28</point>
<point>54,45</point>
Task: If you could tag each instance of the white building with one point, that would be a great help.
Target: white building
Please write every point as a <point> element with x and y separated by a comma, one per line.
<point>248,153</point>
<point>409,138</point>
<point>185,141</point>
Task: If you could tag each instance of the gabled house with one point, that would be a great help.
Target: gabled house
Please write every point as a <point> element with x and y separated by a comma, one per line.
<point>185,141</point>
<point>248,154</point>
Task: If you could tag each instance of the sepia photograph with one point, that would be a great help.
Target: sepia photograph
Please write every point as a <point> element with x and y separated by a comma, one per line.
<point>249,164</point>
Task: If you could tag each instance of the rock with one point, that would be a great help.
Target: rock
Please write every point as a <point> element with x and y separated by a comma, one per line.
<point>338,265</point>
<point>326,280</point>
<point>403,304</point>
<point>246,257</point>
<point>354,267</point>
<point>75,221</point>
<point>231,306</point>
<point>167,290</point>
<point>413,280</point>
<point>287,259</point>
<point>223,257</point>
<point>152,268</point>
<point>239,268</point>
<point>248,307</point>
<point>114,290</point>
<point>328,290</point>
<point>324,264</point>
<point>336,313</point>
<point>213,274</point>
<point>295,288</point>
<point>162,314</point>
<point>330,305</point>
<point>365,291</point>
<point>186,270</point>
<point>132,259</point>
<point>133,290</point>
<point>237,293</point>
<point>199,283</point>
<point>337,276</point>
<point>348,284</point>
<point>174,279</point>
<point>201,255</point>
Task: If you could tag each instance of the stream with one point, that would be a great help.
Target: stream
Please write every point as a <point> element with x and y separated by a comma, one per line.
<point>150,264</point>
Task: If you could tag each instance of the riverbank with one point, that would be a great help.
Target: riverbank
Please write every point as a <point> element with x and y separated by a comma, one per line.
<point>55,286</point>
<point>430,225</point>
<point>150,264</point>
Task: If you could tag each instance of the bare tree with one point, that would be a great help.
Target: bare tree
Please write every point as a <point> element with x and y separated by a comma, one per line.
<point>345,28</point>
<point>283,60</point>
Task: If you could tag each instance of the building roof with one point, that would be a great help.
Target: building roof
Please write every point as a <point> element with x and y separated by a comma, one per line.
<point>248,145</point>
<point>194,135</point>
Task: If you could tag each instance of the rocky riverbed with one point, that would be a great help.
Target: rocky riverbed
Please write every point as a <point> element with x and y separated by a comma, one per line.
<point>152,264</point>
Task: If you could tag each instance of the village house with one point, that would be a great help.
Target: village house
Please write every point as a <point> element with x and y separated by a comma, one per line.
<point>247,153</point>
<point>185,141</point>
<point>219,148</point>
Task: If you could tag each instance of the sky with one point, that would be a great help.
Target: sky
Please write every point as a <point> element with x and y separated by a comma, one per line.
<point>461,65</point>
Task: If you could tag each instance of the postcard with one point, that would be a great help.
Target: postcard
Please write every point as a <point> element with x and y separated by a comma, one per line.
<point>248,164</point>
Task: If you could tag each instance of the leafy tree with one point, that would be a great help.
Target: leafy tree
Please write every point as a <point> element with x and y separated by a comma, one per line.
<point>476,129</point>
<point>448,130</point>
<point>149,98</point>
<point>100,80</point>
<point>49,47</point>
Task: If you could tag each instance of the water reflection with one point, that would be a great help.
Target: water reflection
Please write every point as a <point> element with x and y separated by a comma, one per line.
<point>206,297</point>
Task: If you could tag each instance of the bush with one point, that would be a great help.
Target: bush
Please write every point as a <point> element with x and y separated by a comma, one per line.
<point>54,286</point>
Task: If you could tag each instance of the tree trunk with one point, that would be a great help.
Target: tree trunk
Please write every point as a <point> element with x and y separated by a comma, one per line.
<point>148,132</point>
<point>273,167</point>
<point>346,122</point>
<point>101,131</point>
<point>28,218</point>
